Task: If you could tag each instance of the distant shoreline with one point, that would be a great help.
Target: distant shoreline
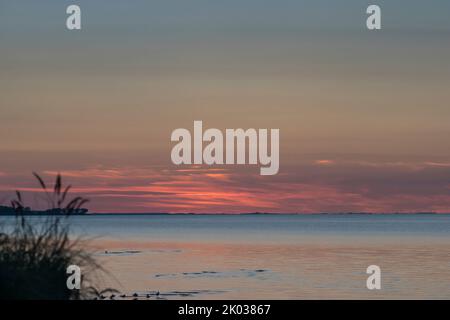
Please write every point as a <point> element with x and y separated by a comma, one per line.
<point>10,211</point>
<point>267,214</point>
<point>235,214</point>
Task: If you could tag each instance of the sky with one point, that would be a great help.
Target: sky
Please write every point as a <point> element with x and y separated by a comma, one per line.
<point>364,116</point>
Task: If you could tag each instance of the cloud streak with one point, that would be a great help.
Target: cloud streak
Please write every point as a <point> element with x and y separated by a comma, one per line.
<point>321,186</point>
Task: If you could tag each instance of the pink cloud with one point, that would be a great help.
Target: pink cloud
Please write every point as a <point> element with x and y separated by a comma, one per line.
<point>324,162</point>
<point>320,187</point>
<point>438,164</point>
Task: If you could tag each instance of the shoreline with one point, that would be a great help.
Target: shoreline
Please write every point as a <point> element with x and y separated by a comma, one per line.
<point>239,214</point>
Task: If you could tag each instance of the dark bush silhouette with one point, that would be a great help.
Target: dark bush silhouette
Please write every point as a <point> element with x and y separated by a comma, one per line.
<point>34,256</point>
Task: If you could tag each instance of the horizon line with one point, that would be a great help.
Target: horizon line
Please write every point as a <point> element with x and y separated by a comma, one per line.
<point>267,213</point>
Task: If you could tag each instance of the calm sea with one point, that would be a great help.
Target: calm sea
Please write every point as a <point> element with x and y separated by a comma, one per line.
<point>272,256</point>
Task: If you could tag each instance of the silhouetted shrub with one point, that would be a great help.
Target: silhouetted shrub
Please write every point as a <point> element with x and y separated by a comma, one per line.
<point>34,256</point>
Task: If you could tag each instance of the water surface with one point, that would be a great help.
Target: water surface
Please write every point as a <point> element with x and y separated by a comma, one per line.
<point>272,256</point>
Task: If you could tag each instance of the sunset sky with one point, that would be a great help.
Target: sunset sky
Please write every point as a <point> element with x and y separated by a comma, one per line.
<point>364,116</point>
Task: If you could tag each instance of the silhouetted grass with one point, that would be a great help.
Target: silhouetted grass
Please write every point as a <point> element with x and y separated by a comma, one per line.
<point>34,256</point>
